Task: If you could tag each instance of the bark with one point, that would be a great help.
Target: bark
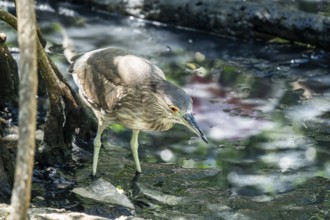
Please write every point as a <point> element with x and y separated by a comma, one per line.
<point>242,19</point>
<point>27,37</point>
<point>8,105</point>
<point>56,149</point>
<point>6,173</point>
<point>8,77</point>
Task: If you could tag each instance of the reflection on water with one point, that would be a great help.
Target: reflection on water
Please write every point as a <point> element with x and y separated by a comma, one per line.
<point>279,125</point>
<point>264,107</point>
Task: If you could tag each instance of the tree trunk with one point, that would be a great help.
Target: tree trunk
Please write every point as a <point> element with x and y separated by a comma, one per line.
<point>6,173</point>
<point>8,105</point>
<point>27,37</point>
<point>8,77</point>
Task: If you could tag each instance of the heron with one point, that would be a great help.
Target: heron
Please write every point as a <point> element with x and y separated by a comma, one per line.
<point>120,87</point>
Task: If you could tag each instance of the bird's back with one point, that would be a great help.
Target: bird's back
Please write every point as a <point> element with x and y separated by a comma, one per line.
<point>106,76</point>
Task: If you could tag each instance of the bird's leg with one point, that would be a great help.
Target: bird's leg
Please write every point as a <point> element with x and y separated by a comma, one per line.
<point>97,145</point>
<point>134,147</point>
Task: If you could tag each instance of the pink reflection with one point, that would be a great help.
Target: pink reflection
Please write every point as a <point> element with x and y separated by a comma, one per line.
<point>222,114</point>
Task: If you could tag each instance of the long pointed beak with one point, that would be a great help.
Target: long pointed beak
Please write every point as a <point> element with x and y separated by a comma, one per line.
<point>191,123</point>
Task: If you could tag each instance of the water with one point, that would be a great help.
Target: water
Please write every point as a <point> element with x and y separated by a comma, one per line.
<point>264,107</point>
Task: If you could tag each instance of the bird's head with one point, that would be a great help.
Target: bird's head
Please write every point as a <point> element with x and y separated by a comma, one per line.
<point>177,106</point>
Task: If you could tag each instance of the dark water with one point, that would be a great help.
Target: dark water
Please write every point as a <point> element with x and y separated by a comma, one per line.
<point>264,107</point>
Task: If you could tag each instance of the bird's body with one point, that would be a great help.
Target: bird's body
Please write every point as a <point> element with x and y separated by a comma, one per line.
<point>129,90</point>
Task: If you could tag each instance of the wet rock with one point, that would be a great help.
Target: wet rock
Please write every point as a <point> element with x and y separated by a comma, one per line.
<point>103,191</point>
<point>160,197</point>
<point>52,188</point>
<point>7,158</point>
<point>5,191</point>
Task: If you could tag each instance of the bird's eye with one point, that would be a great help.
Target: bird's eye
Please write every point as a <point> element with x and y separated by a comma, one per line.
<point>174,109</point>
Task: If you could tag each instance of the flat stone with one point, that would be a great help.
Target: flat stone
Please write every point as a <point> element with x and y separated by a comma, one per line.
<point>102,191</point>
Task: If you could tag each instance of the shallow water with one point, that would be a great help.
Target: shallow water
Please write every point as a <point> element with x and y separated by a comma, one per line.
<point>264,107</point>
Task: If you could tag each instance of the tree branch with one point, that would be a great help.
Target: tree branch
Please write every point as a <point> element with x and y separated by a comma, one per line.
<point>53,78</point>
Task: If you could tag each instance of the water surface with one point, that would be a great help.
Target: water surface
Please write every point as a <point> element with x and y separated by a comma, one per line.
<point>264,107</point>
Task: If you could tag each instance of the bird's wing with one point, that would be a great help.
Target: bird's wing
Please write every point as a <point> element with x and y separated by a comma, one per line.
<point>105,76</point>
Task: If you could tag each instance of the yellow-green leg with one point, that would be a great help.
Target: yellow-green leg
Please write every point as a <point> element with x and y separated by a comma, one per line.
<point>97,145</point>
<point>134,147</point>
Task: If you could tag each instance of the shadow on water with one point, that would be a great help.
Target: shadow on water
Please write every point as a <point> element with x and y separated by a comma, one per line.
<point>264,107</point>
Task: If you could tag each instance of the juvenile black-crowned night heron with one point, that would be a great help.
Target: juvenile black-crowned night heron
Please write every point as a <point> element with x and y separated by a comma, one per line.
<point>123,88</point>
